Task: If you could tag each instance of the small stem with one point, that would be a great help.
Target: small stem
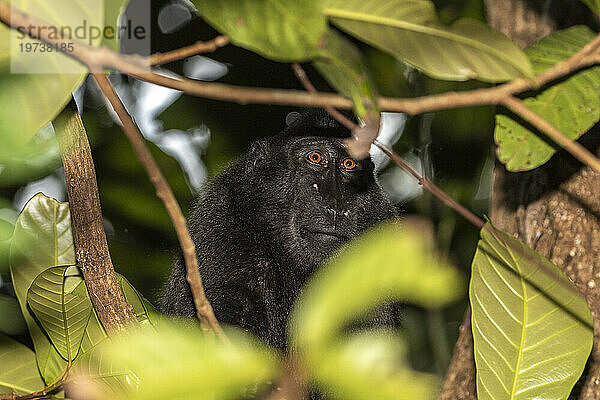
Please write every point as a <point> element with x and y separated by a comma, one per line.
<point>574,148</point>
<point>204,310</point>
<point>188,51</point>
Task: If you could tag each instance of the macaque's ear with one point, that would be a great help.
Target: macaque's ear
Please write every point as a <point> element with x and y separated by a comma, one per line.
<point>257,155</point>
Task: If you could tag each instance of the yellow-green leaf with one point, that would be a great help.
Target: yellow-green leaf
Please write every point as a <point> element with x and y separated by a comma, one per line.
<point>42,239</point>
<point>63,315</point>
<point>411,31</point>
<point>36,85</point>
<point>281,30</point>
<point>532,330</point>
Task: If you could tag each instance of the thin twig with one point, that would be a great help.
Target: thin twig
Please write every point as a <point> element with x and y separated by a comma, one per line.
<point>163,191</point>
<point>188,51</point>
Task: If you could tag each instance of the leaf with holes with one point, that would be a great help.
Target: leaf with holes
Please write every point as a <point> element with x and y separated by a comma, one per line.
<point>42,239</point>
<point>19,371</point>
<point>36,85</point>
<point>343,66</point>
<point>572,105</point>
<point>411,31</point>
<point>280,30</point>
<point>532,330</point>
<point>63,315</point>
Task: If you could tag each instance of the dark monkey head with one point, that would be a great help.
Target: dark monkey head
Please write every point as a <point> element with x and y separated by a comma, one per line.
<point>308,195</point>
<point>265,223</point>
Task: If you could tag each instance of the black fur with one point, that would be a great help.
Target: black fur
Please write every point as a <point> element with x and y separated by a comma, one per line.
<point>267,222</point>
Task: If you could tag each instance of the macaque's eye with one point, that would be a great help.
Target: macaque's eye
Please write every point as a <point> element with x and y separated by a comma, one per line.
<point>315,157</point>
<point>349,164</point>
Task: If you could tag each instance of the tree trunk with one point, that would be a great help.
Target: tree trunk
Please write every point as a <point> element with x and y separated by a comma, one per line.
<point>555,209</point>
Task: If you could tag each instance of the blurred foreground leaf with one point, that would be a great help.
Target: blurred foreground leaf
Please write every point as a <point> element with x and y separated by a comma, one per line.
<point>532,334</point>
<point>44,81</point>
<point>180,361</point>
<point>388,263</point>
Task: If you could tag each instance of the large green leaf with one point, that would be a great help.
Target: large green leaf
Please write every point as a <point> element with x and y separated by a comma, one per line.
<point>28,101</point>
<point>411,31</point>
<point>172,363</point>
<point>389,263</point>
<point>342,65</point>
<point>594,5</point>
<point>11,319</point>
<point>42,239</point>
<point>19,372</point>
<point>572,105</point>
<point>281,30</point>
<point>63,315</point>
<point>532,330</point>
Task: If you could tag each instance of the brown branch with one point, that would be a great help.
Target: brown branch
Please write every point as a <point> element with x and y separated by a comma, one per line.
<point>188,51</point>
<point>204,310</point>
<point>91,249</point>
<point>96,59</point>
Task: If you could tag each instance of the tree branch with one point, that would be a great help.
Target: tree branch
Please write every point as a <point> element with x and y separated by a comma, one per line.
<point>91,249</point>
<point>97,59</point>
<point>204,310</point>
<point>188,51</point>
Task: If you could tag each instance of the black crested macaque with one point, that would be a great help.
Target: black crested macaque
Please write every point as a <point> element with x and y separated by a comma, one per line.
<point>265,224</point>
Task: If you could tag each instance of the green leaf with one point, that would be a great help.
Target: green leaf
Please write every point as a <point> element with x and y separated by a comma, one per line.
<point>42,239</point>
<point>11,319</point>
<point>372,366</point>
<point>343,66</point>
<point>411,31</point>
<point>532,334</point>
<point>276,29</point>
<point>388,263</point>
<point>406,271</point>
<point>28,101</point>
<point>63,315</point>
<point>172,363</point>
<point>19,372</point>
<point>572,105</point>
<point>594,5</point>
